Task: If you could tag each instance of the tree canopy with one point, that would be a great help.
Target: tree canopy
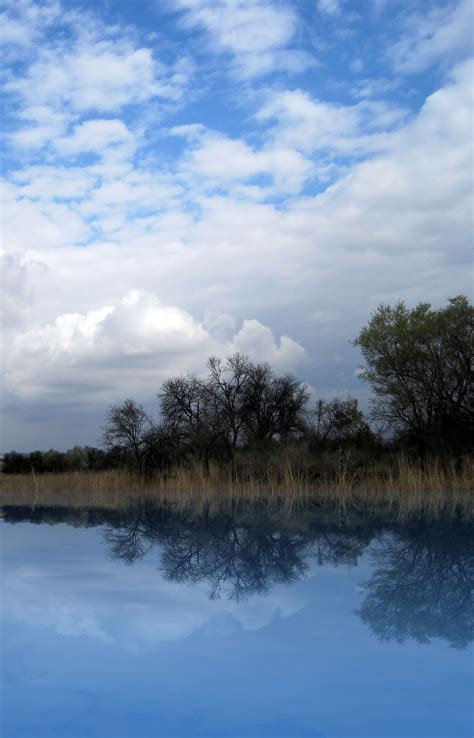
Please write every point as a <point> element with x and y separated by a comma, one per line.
<point>420,367</point>
<point>237,403</point>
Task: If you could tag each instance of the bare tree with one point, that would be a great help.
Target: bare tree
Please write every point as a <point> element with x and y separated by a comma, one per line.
<point>225,390</point>
<point>238,404</point>
<point>274,407</point>
<point>338,422</point>
<point>127,426</point>
<point>186,416</point>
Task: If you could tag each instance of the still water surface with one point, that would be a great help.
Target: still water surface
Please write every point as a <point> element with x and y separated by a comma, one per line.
<point>151,624</point>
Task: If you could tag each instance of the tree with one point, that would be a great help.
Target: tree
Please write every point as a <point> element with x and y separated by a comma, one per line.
<point>186,417</point>
<point>273,406</point>
<point>127,427</point>
<point>15,463</point>
<point>237,404</point>
<point>337,423</point>
<point>420,366</point>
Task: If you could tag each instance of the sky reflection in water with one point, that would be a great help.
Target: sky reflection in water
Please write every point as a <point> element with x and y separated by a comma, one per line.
<point>158,625</point>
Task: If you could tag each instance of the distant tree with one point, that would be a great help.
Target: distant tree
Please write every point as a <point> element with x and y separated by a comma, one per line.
<point>76,459</point>
<point>16,463</point>
<point>54,461</point>
<point>95,458</point>
<point>126,428</point>
<point>420,367</point>
<point>336,423</point>
<point>35,460</point>
<point>115,457</point>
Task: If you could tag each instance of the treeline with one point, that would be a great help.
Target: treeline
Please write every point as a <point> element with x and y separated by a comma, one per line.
<point>242,415</point>
<point>79,458</point>
<point>419,363</point>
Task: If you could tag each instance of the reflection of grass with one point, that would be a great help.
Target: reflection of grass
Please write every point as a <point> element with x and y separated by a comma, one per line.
<point>402,489</point>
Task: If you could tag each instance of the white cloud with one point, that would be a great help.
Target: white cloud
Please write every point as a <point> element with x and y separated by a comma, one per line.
<point>85,68</point>
<point>54,182</point>
<point>434,36</point>
<point>226,254</point>
<point>103,77</point>
<point>311,125</point>
<point>30,224</point>
<point>242,26</point>
<point>226,225</point>
<point>96,136</point>
<point>23,21</point>
<point>256,341</point>
<point>127,348</point>
<point>13,31</point>
<point>223,160</point>
<point>44,124</point>
<point>396,226</point>
<point>254,32</point>
<point>331,7</point>
<point>16,294</point>
<point>135,191</point>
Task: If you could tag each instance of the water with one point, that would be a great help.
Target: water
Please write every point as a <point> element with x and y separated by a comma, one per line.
<point>151,624</point>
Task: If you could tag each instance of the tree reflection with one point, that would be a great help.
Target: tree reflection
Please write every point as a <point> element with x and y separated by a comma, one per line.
<point>422,587</point>
<point>422,575</point>
<point>240,561</point>
<point>237,555</point>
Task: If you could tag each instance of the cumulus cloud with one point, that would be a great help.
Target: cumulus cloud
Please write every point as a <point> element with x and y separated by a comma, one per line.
<point>413,196</point>
<point>133,345</point>
<point>28,224</point>
<point>60,182</point>
<point>43,125</point>
<point>389,229</point>
<point>220,160</point>
<point>310,125</point>
<point>257,341</point>
<point>255,33</point>
<point>23,21</point>
<point>274,210</point>
<point>87,68</point>
<point>102,78</point>
<point>94,136</point>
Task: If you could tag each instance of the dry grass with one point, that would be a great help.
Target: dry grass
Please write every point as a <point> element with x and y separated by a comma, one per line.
<point>404,489</point>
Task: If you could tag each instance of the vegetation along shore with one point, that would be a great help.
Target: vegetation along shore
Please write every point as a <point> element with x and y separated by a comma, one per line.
<point>241,434</point>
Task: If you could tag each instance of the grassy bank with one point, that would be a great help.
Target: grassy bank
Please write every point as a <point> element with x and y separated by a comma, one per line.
<point>404,488</point>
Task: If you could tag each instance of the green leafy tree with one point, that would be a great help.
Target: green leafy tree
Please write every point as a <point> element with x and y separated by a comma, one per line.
<point>420,367</point>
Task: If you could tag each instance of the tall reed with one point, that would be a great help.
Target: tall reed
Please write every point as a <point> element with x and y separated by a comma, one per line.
<point>404,488</point>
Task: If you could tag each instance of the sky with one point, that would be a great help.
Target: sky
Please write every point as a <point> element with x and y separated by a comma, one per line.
<point>188,178</point>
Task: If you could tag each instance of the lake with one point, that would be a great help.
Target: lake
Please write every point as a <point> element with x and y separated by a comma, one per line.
<point>146,623</point>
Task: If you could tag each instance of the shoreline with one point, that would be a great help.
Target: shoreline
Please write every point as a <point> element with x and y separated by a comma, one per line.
<point>404,490</point>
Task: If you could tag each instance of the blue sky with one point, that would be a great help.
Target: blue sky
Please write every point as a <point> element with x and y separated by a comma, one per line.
<point>190,178</point>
